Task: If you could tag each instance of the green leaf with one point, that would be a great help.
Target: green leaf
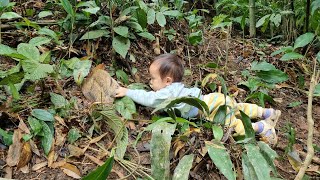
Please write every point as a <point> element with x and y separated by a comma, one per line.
<point>276,19</point>
<point>161,19</point>
<point>273,76</point>
<point>249,132</point>
<point>38,41</point>
<point>126,107</point>
<point>102,20</point>
<point>193,101</point>
<point>134,25</point>
<point>48,32</point>
<point>137,86</point>
<point>92,10</point>
<point>68,7</point>
<point>122,76</point>
<point>4,3</point>
<point>29,51</point>
<point>14,91</point>
<point>36,70</point>
<point>247,168</point>
<point>183,168</point>
<point>252,83</point>
<point>95,34</point>
<point>42,114</point>
<point>262,66</point>
<point>35,125</point>
<point>283,49</point>
<point>291,56</point>
<point>303,40</point>
<point>269,154</point>
<point>318,56</point>
<point>174,13</point>
<point>221,158</point>
<point>317,90</point>
<point>102,172</point>
<point>10,15</point>
<point>160,148</point>
<point>121,30</point>
<point>43,14</point>
<point>220,116</point>
<point>47,138</point>
<point>12,78</point>
<point>121,45</point>
<point>314,6</point>
<point>258,162</point>
<point>217,132</point>
<point>147,35</point>
<point>6,137</point>
<point>45,57</point>
<point>58,100</point>
<point>73,135</point>
<point>142,17</point>
<point>118,128</point>
<point>151,16</point>
<point>81,70</point>
<point>263,20</point>
<point>6,50</point>
<point>294,104</point>
<point>262,98</point>
<point>195,38</point>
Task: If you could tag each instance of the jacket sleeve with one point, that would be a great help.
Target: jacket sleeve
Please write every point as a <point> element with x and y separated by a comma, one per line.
<point>149,98</point>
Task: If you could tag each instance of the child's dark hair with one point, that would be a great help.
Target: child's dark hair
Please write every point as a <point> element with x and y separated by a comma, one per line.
<point>170,65</point>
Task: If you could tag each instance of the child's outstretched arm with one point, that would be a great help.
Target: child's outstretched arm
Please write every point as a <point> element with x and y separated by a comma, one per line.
<point>145,98</point>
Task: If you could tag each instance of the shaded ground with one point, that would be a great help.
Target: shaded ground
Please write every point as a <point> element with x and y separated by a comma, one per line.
<point>241,54</point>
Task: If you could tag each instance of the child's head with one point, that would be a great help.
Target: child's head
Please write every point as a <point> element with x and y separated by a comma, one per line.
<point>164,70</point>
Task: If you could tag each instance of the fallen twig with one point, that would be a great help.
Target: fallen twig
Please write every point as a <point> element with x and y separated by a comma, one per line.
<point>310,149</point>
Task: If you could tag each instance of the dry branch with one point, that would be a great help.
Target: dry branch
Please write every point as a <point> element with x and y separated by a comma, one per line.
<point>310,149</point>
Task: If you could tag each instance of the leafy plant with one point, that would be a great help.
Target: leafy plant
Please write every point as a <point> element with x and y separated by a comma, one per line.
<point>289,51</point>
<point>44,130</point>
<point>265,76</point>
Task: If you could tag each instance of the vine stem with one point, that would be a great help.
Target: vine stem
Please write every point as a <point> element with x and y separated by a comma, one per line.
<point>310,149</point>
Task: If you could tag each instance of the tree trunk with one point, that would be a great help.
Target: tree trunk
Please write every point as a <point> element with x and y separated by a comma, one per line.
<point>252,18</point>
<point>306,28</point>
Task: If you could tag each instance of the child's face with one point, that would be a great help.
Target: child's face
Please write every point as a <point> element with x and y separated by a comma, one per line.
<point>156,82</point>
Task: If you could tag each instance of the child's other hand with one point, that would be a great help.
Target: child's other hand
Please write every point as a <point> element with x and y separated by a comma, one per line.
<point>121,91</point>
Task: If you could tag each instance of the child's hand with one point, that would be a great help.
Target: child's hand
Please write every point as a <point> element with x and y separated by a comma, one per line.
<point>121,91</point>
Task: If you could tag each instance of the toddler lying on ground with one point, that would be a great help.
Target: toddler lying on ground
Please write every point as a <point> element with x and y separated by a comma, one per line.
<point>166,73</point>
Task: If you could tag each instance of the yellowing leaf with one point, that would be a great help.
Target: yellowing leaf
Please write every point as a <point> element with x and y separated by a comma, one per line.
<point>25,155</point>
<point>294,160</point>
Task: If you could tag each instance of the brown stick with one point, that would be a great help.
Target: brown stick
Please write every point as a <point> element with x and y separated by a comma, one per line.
<point>310,149</point>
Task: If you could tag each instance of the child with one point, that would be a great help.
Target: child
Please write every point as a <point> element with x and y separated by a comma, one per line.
<point>166,73</point>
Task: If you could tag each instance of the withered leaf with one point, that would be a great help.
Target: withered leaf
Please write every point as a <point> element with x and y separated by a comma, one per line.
<point>71,170</point>
<point>75,151</point>
<point>25,169</point>
<point>14,149</point>
<point>25,155</point>
<point>50,158</point>
<point>34,147</point>
<point>94,159</point>
<point>23,126</point>
<point>39,166</point>
<point>97,139</point>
